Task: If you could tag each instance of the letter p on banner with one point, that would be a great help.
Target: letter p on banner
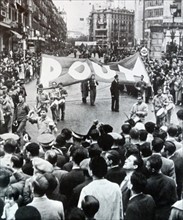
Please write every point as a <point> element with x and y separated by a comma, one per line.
<point>50,70</point>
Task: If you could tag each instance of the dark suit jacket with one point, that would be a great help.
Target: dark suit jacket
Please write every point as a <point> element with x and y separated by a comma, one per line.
<point>163,190</point>
<point>70,180</point>
<point>178,161</point>
<point>114,88</point>
<point>116,175</point>
<point>141,207</point>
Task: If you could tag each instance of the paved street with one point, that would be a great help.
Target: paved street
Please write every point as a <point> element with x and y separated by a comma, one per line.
<point>79,117</point>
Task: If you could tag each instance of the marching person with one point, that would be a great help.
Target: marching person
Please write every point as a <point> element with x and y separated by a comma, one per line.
<point>160,102</point>
<point>92,88</point>
<point>115,94</point>
<point>61,102</point>
<point>170,106</point>
<point>141,86</point>
<point>44,123</point>
<point>21,115</point>
<point>54,97</point>
<point>42,99</point>
<point>7,112</point>
<point>139,109</point>
<point>84,91</point>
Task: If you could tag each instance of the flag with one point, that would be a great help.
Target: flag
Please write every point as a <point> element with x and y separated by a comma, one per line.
<point>72,70</point>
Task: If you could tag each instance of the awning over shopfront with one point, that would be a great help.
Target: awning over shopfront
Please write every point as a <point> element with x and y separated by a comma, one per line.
<point>5,25</point>
<point>19,36</point>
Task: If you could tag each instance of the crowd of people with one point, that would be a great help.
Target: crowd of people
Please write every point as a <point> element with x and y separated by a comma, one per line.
<point>132,175</point>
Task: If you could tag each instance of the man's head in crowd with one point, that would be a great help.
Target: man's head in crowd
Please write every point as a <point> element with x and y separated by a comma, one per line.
<point>51,156</point>
<point>66,133</point>
<point>126,128</point>
<point>134,134</point>
<point>11,195</point>
<point>112,158</point>
<point>40,186</point>
<point>159,92</point>
<point>143,135</point>
<point>32,150</point>
<point>10,146</point>
<point>21,98</point>
<point>17,161</point>
<point>90,206</point>
<point>157,145</point>
<point>169,148</point>
<point>94,134</point>
<point>133,162</point>
<point>154,164</point>
<point>43,112</point>
<point>150,126</point>
<point>138,181</point>
<point>105,142</point>
<point>98,167</point>
<point>79,154</point>
<point>145,149</point>
<point>27,213</point>
<point>139,100</point>
<point>131,149</point>
<point>172,131</point>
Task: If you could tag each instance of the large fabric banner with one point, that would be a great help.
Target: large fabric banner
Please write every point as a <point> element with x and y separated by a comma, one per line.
<point>72,70</point>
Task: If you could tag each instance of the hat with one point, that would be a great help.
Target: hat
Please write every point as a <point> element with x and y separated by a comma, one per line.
<point>42,165</point>
<point>139,126</point>
<point>46,140</point>
<point>115,135</point>
<point>6,136</point>
<point>77,136</point>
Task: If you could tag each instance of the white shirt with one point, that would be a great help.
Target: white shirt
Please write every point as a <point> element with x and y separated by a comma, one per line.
<point>109,196</point>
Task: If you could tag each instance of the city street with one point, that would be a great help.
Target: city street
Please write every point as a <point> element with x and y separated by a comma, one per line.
<point>79,116</point>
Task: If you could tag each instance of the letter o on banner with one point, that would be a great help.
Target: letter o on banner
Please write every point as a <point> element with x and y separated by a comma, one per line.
<point>79,70</point>
<point>50,70</point>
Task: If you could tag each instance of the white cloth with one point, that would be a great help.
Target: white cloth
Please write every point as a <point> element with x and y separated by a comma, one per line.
<point>109,196</point>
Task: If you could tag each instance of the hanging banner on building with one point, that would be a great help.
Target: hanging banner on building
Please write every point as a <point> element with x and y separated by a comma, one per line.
<point>71,70</point>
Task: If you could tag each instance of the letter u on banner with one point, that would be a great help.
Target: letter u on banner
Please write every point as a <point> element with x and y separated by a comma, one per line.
<point>103,72</point>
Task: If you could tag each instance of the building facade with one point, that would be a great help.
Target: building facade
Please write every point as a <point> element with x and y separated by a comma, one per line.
<point>112,27</point>
<point>30,25</point>
<point>159,29</point>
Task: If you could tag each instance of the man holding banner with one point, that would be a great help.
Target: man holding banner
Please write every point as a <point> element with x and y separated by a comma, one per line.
<point>61,102</point>
<point>92,87</point>
<point>115,94</point>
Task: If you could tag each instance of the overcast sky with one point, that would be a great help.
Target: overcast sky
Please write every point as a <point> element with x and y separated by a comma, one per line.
<point>78,9</point>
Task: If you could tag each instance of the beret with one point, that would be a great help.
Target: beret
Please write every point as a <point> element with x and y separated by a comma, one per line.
<point>42,165</point>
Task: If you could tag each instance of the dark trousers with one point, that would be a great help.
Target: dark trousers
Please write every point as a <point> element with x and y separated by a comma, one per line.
<point>21,127</point>
<point>92,96</point>
<point>61,108</point>
<point>115,103</point>
<point>54,113</point>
